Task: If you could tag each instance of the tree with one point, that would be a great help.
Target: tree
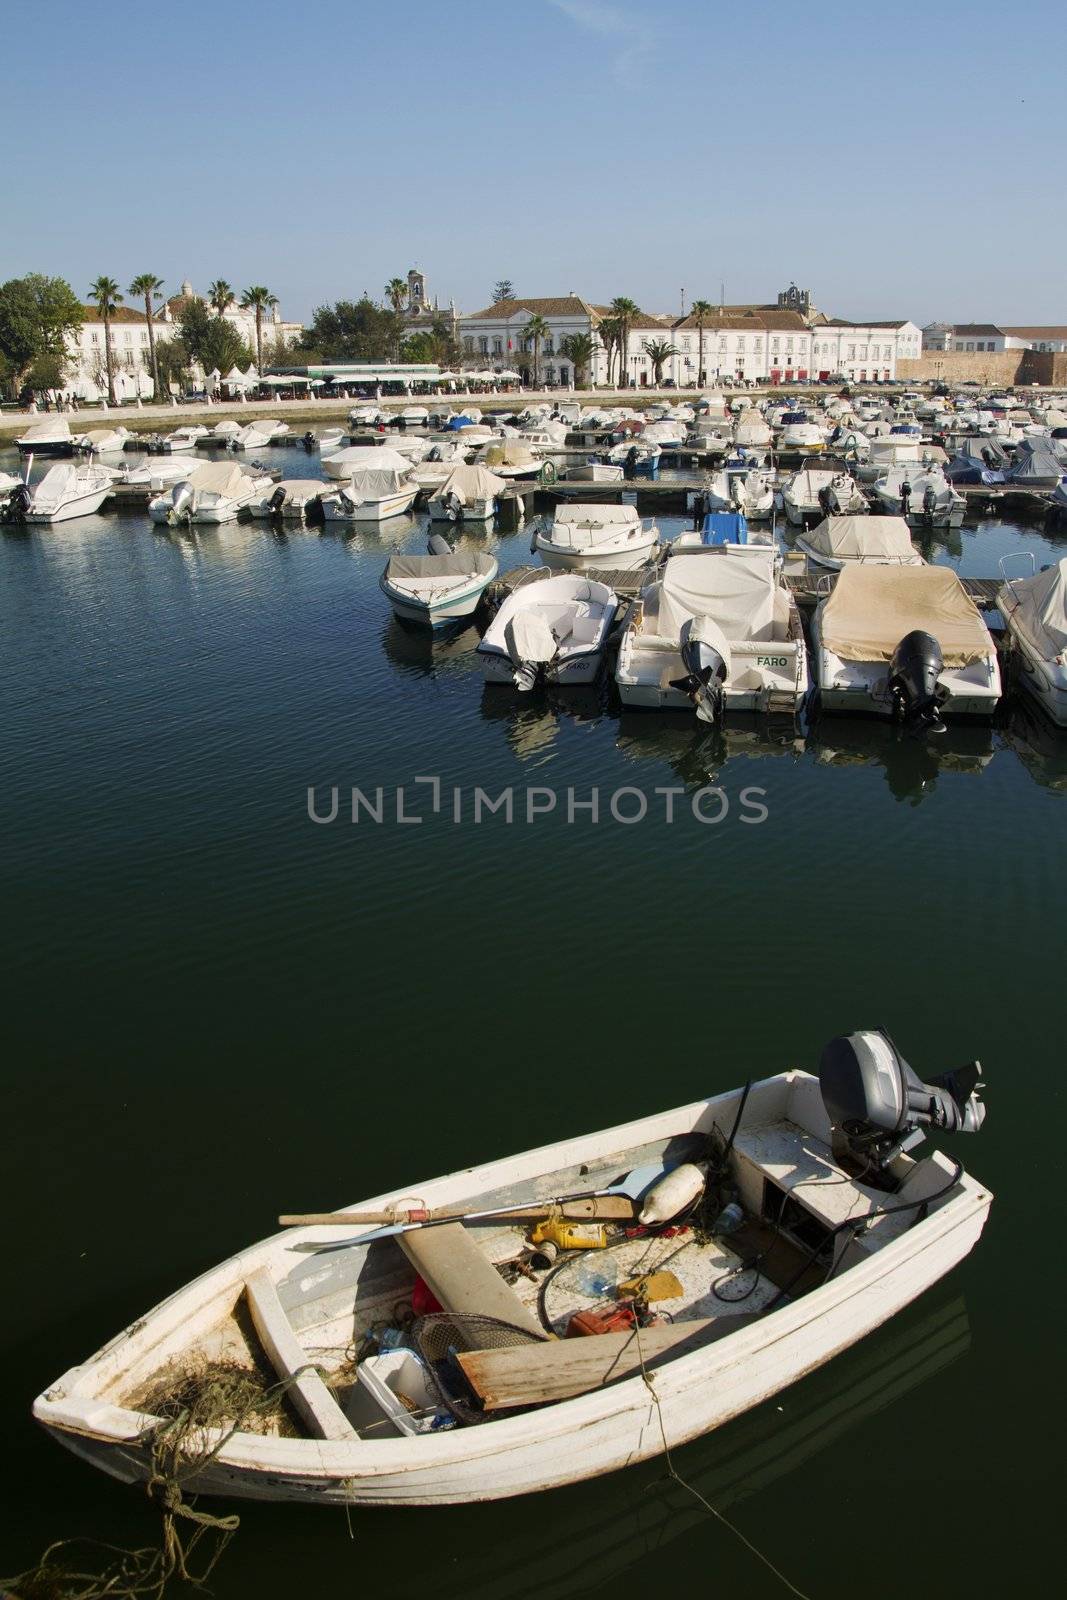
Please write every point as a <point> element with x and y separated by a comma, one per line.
<point>578,348</point>
<point>37,314</point>
<point>258,299</point>
<point>209,340</point>
<point>536,330</point>
<point>504,289</point>
<point>609,338</point>
<point>172,361</point>
<point>46,373</point>
<point>352,330</point>
<point>220,297</point>
<point>624,311</point>
<point>105,292</point>
<point>702,309</point>
<point>659,351</point>
<point>148,285</point>
<point>396,292</point>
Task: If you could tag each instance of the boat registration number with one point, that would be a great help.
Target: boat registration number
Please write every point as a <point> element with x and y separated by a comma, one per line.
<point>771,661</point>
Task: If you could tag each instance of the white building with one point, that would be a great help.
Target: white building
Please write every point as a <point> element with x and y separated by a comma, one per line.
<point>275,329</point>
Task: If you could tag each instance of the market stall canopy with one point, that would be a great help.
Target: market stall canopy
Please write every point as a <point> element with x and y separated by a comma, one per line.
<point>872,608</point>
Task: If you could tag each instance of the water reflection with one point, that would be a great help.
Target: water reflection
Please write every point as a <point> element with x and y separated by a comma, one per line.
<point>600,1532</point>
<point>698,753</point>
<point>911,764</point>
<point>424,653</point>
<point>532,722</point>
<point>1039,744</point>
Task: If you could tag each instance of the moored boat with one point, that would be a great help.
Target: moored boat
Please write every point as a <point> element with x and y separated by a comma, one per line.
<point>838,542</point>
<point>51,438</point>
<point>435,591</point>
<point>611,537</point>
<point>1035,619</point>
<point>552,630</point>
<point>67,490</point>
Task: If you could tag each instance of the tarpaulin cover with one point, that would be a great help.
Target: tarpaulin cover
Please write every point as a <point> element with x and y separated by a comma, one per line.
<point>872,608</point>
<point>724,527</point>
<point>1039,605</point>
<point>378,456</point>
<point>529,637</point>
<point>219,477</point>
<point>732,584</point>
<point>455,565</point>
<point>372,484</point>
<point>596,516</point>
<point>856,538</point>
<point>470,483</point>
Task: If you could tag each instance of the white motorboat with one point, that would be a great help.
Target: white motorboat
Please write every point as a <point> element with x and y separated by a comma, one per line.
<point>838,542</point>
<point>511,459</point>
<point>593,472</point>
<point>904,642</point>
<point>751,432</point>
<point>330,439</point>
<point>291,499</point>
<point>545,435</point>
<point>473,435</point>
<point>552,630</point>
<point>356,457</point>
<point>717,631</point>
<point>925,499</point>
<point>371,494</point>
<point>1035,619</point>
<point>891,450</point>
<point>69,489</point>
<point>707,435</point>
<point>802,436</point>
<point>258,435</point>
<point>636,449</point>
<point>437,467</point>
<point>104,441</point>
<point>220,436</point>
<point>751,493</point>
<point>413,416</point>
<point>817,492</point>
<point>611,537</point>
<point>51,438</point>
<point>182,439</point>
<point>436,591</point>
<point>849,444</point>
<point>867,1229</point>
<point>669,435</point>
<point>211,493</point>
<point>413,447</point>
<point>154,472</point>
<point>366,416</point>
<point>468,494</point>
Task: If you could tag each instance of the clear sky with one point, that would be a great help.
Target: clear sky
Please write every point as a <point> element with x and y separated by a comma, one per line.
<point>907,159</point>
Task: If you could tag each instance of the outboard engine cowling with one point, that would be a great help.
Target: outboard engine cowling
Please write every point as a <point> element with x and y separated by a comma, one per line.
<point>828,501</point>
<point>706,658</point>
<point>913,682</point>
<point>309,441</point>
<point>532,647</point>
<point>879,1107</point>
<point>276,502</point>
<point>18,502</point>
<point>929,503</point>
<point>182,497</point>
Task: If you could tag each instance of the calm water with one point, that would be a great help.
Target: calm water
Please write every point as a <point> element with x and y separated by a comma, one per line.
<point>217,1011</point>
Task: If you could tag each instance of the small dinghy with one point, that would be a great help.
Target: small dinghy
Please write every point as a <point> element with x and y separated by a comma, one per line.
<point>610,537</point>
<point>807,1214</point>
<point>372,494</point>
<point>437,590</point>
<point>843,541</point>
<point>67,490</point>
<point>817,492</point>
<point>906,643</point>
<point>1035,618</point>
<point>550,631</point>
<point>924,499</point>
<point>293,499</point>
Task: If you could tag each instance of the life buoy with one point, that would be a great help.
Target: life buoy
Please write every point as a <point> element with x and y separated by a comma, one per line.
<point>548,473</point>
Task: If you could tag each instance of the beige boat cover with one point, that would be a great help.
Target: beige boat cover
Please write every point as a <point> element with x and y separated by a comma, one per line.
<point>302,488</point>
<point>731,584</point>
<point>849,538</point>
<point>371,484</point>
<point>1039,604</point>
<point>508,453</point>
<point>596,516</point>
<point>872,608</point>
<point>219,477</point>
<point>379,456</point>
<point>470,483</point>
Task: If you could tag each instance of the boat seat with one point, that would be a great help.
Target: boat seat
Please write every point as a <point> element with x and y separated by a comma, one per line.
<point>462,1277</point>
<point>310,1397</point>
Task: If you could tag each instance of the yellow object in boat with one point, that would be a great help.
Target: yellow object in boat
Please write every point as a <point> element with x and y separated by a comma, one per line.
<point>570,1235</point>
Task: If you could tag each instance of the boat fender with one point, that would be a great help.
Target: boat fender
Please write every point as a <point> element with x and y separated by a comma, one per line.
<point>672,1195</point>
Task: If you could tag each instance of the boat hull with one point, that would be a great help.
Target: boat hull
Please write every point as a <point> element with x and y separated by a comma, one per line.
<point>1037,677</point>
<point>579,669</point>
<point>602,560</point>
<point>83,506</point>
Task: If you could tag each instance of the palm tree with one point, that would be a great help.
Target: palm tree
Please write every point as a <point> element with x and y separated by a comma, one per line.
<point>258,299</point>
<point>396,292</point>
<point>609,335</point>
<point>624,311</point>
<point>578,348</point>
<point>220,297</point>
<point>536,330</point>
<point>701,309</point>
<point>659,351</point>
<point>148,285</point>
<point>105,292</point>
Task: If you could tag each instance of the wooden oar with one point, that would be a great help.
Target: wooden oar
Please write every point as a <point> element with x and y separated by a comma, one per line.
<point>629,1189</point>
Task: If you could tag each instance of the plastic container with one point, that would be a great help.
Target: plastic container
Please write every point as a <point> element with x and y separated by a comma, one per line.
<point>729,1219</point>
<point>401,1372</point>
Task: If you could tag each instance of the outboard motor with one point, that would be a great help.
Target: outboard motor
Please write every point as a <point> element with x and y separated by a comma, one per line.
<point>905,498</point>
<point>532,647</point>
<point>929,504</point>
<point>182,497</point>
<point>276,501</point>
<point>879,1107</point>
<point>706,658</point>
<point>913,682</point>
<point>828,501</point>
<point>438,545</point>
<point>309,441</point>
<point>347,501</point>
<point>18,503</point>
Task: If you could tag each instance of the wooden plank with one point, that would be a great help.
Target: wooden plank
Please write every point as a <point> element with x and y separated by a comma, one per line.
<point>532,1375</point>
<point>309,1394</point>
<point>462,1278</point>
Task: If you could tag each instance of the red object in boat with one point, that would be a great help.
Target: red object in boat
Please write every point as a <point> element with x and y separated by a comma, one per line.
<point>613,1319</point>
<point>423,1300</point>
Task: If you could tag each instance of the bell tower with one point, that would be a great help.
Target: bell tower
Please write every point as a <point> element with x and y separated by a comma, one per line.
<point>416,292</point>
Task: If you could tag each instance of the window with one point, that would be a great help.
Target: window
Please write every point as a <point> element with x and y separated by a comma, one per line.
<point>96,336</point>
<point>758,346</point>
<point>722,341</point>
<point>144,335</point>
<point>483,346</point>
<point>547,346</point>
<point>128,336</point>
<point>970,344</point>
<point>852,352</point>
<point>687,343</point>
<point>468,345</point>
<point>741,345</point>
<point>498,347</point>
<point>774,346</point>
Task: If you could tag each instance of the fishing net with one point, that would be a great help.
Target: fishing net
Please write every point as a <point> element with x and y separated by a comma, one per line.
<point>439,1337</point>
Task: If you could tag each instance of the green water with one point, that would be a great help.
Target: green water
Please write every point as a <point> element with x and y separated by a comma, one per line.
<point>217,1010</point>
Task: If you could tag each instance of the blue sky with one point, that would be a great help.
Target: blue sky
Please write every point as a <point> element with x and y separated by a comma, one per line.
<point>901,160</point>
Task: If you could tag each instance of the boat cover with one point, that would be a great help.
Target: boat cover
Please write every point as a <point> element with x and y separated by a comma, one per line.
<point>46,433</point>
<point>374,483</point>
<point>219,477</point>
<point>529,637</point>
<point>733,584</point>
<point>1035,465</point>
<point>378,456</point>
<point>470,483</point>
<point>849,538</point>
<point>454,565</point>
<point>302,488</point>
<point>596,516</point>
<point>872,608</point>
<point>508,453</point>
<point>724,527</point>
<point>1039,604</point>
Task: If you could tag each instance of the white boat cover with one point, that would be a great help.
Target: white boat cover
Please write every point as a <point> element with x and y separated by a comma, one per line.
<point>1039,604</point>
<point>872,608</point>
<point>374,483</point>
<point>596,515</point>
<point>377,456</point>
<point>301,488</point>
<point>470,483</point>
<point>850,538</point>
<point>529,637</point>
<point>59,481</point>
<point>219,477</point>
<point>731,584</point>
<point>46,432</point>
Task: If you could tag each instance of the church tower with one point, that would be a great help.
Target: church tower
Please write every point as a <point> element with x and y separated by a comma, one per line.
<point>416,292</point>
